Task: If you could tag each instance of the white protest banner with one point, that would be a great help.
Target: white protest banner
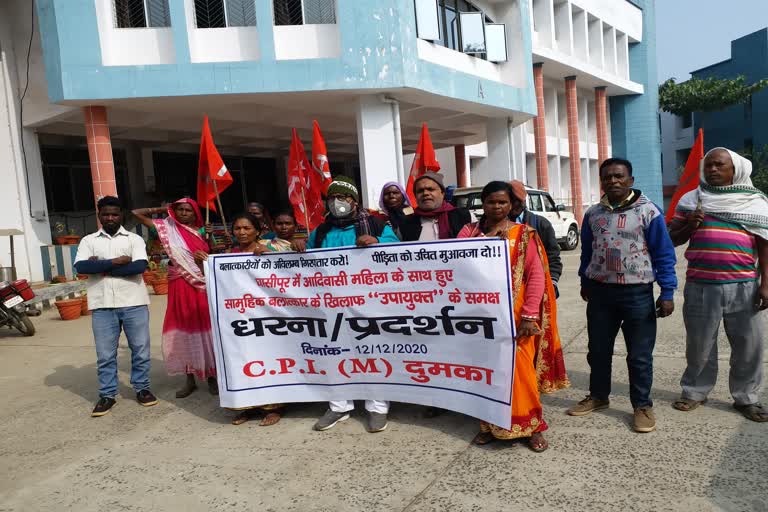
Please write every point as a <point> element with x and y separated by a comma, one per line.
<point>427,323</point>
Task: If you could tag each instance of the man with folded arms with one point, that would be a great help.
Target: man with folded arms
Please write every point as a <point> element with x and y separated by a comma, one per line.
<point>115,258</point>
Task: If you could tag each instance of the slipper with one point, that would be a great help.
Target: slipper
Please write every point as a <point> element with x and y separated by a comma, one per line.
<point>754,412</point>
<point>537,443</point>
<point>483,438</point>
<point>270,419</point>
<point>687,404</point>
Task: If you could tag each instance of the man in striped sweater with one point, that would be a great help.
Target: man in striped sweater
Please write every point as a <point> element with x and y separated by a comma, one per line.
<point>725,222</point>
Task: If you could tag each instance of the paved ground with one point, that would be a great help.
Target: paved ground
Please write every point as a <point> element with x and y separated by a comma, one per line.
<point>184,455</point>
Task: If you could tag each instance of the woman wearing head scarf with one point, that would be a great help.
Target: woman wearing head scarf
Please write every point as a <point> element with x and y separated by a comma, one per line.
<point>187,341</point>
<point>539,365</point>
<point>394,205</point>
<point>725,222</point>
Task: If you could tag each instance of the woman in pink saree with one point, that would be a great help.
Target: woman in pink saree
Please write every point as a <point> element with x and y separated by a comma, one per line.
<point>187,340</point>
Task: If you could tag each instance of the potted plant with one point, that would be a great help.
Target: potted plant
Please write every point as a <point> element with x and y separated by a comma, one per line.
<point>160,279</point>
<point>149,274</point>
<point>65,239</point>
<point>84,311</point>
<point>69,309</point>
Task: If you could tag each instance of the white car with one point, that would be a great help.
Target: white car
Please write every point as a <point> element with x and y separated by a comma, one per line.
<point>539,202</point>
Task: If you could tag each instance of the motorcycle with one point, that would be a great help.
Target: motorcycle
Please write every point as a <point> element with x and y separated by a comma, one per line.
<point>13,311</point>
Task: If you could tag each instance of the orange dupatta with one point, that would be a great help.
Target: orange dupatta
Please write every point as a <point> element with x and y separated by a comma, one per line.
<point>550,366</point>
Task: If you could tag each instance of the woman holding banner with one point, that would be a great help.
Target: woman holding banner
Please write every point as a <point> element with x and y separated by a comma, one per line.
<point>246,229</point>
<point>187,341</point>
<point>539,365</point>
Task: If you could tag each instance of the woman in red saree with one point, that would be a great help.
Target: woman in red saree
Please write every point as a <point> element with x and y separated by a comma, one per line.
<point>539,365</point>
<point>187,341</point>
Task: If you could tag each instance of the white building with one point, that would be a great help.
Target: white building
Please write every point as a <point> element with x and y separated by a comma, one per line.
<point>117,90</point>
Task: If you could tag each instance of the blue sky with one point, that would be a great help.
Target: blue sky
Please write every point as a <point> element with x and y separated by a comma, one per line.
<point>692,34</point>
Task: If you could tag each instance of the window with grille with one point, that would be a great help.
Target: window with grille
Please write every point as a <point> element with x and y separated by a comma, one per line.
<point>225,13</point>
<point>142,13</point>
<point>304,12</point>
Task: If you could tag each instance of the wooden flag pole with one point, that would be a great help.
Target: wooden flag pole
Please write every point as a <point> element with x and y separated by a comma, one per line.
<point>221,209</point>
<point>306,212</point>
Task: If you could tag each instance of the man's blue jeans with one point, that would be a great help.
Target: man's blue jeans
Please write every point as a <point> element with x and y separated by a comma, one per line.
<point>630,308</point>
<point>106,332</point>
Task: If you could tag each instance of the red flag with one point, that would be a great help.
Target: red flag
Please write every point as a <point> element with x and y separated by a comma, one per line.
<point>307,202</point>
<point>209,169</point>
<point>690,178</point>
<point>423,161</point>
<point>321,178</point>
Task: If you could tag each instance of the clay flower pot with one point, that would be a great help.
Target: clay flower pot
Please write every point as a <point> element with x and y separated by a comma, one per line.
<point>69,309</point>
<point>84,306</point>
<point>67,240</point>
<point>148,277</point>
<point>160,285</point>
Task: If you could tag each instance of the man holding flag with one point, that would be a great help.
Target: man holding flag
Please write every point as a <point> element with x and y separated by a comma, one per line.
<point>434,218</point>
<point>724,220</point>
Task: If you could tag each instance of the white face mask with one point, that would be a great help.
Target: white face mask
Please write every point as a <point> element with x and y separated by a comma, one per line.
<point>339,208</point>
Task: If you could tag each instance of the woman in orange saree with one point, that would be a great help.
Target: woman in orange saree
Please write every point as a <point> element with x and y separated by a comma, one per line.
<point>539,365</point>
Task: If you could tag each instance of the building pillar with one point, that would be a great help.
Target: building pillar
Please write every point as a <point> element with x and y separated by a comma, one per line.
<point>462,175</point>
<point>572,112</point>
<point>377,148</point>
<point>498,164</point>
<point>540,130</point>
<point>100,152</point>
<point>601,121</point>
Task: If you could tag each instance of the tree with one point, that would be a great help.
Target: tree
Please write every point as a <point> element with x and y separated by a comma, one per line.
<point>705,94</point>
<point>759,159</point>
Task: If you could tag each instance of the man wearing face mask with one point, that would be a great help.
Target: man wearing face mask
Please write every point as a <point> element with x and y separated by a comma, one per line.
<point>347,225</point>
<point>434,217</point>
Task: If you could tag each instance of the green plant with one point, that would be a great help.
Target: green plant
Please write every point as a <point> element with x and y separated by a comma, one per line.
<point>59,228</point>
<point>759,158</point>
<point>705,94</point>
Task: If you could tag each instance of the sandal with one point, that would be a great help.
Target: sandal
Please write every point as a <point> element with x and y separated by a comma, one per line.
<point>687,404</point>
<point>244,416</point>
<point>754,412</point>
<point>270,419</point>
<point>483,438</point>
<point>537,443</point>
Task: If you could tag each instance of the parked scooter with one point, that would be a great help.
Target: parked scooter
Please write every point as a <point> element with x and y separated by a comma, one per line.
<point>13,313</point>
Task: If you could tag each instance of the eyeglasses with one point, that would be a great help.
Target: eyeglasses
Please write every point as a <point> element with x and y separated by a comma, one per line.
<point>340,197</point>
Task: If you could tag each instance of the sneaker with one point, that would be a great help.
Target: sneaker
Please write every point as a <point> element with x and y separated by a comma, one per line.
<point>587,405</point>
<point>330,419</point>
<point>146,398</point>
<point>376,422</point>
<point>645,420</point>
<point>103,406</point>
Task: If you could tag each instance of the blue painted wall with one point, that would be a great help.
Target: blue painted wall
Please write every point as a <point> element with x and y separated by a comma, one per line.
<point>74,71</point>
<point>635,132</point>
<point>734,127</point>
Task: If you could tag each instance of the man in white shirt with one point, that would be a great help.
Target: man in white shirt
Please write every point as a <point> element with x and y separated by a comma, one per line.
<point>115,258</point>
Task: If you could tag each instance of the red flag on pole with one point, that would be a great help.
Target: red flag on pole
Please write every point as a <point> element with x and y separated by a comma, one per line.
<point>690,178</point>
<point>321,178</point>
<point>210,169</point>
<point>307,202</point>
<point>423,161</point>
